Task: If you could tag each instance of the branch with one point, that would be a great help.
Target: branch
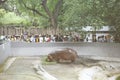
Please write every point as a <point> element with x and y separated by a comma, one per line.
<point>46,8</point>
<point>2,1</point>
<point>57,8</point>
<point>33,9</point>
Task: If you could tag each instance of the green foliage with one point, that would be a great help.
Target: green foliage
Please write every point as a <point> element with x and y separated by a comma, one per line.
<point>44,62</point>
<point>51,4</point>
<point>80,13</point>
<point>28,7</point>
<point>74,14</point>
<point>12,18</point>
<point>2,12</point>
<point>95,13</point>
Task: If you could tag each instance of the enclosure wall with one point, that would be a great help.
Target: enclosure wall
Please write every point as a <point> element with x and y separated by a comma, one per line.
<point>92,49</point>
<point>5,51</point>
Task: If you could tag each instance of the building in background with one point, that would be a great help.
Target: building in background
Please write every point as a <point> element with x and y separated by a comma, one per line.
<point>101,35</point>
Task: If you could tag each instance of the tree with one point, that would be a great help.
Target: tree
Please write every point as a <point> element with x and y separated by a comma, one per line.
<point>44,9</point>
<point>81,13</point>
<point>110,15</point>
<point>73,14</point>
<point>95,13</point>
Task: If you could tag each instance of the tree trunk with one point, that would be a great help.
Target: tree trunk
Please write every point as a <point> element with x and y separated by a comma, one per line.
<point>117,37</point>
<point>52,16</point>
<point>54,24</point>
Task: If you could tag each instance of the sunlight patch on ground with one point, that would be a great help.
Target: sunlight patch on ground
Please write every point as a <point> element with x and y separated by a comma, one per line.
<point>94,73</point>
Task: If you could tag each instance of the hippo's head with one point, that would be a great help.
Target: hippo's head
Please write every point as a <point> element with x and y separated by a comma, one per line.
<point>49,58</point>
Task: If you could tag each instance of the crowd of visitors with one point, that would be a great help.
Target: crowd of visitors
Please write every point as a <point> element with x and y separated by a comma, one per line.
<point>56,38</point>
<point>43,38</point>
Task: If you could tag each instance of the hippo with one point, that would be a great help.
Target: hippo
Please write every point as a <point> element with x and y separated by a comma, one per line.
<point>66,54</point>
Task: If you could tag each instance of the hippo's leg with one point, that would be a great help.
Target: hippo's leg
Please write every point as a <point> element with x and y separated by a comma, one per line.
<point>59,59</point>
<point>72,60</point>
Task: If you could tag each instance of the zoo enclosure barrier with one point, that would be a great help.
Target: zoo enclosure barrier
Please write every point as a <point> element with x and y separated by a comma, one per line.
<point>37,49</point>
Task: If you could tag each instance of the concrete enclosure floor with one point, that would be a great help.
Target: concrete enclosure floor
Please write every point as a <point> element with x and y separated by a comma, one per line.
<point>22,68</point>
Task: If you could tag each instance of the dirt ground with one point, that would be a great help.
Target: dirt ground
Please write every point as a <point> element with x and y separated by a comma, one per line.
<point>21,68</point>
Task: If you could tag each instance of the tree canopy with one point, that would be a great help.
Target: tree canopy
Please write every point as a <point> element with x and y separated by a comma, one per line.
<point>72,14</point>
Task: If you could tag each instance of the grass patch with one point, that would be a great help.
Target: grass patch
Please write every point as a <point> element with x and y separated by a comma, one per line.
<point>44,62</point>
<point>118,78</point>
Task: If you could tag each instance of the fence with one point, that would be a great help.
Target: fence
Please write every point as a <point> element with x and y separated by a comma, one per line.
<point>13,30</point>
